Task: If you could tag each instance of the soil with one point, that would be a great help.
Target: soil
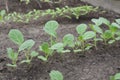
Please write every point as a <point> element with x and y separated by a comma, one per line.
<point>97,64</point>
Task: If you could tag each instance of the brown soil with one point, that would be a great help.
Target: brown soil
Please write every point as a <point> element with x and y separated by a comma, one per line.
<point>95,65</point>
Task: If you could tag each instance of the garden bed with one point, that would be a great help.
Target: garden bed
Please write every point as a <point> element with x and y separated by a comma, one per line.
<point>97,64</point>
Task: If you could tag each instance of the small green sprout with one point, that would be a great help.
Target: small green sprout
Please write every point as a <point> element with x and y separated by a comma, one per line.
<point>50,28</point>
<point>56,75</point>
<point>115,77</point>
<point>84,36</point>
<point>13,56</point>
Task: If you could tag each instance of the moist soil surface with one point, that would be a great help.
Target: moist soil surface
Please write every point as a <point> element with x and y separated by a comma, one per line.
<point>94,64</point>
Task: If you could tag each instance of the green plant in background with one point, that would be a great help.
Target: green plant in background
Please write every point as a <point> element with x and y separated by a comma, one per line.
<point>115,77</point>
<point>66,11</point>
<point>84,36</point>
<point>56,75</point>
<point>23,46</point>
<point>83,10</point>
<point>50,28</point>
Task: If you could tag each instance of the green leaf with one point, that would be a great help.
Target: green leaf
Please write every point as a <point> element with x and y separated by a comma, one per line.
<point>78,50</point>
<point>113,28</point>
<point>51,27</point>
<point>27,45</point>
<point>98,39</point>
<point>104,20</point>
<point>16,36</point>
<point>118,21</point>
<point>107,34</point>
<point>88,35</point>
<point>2,13</point>
<point>97,21</point>
<point>45,48</point>
<point>42,58</point>
<point>11,54</point>
<point>81,29</point>
<point>58,47</point>
<point>118,38</point>
<point>112,78</point>
<point>65,51</point>
<point>25,61</point>
<point>55,75</point>
<point>68,40</point>
<point>12,65</point>
<point>117,76</point>
<point>34,54</point>
<point>88,47</point>
<point>115,25</point>
<point>97,29</point>
<point>111,41</point>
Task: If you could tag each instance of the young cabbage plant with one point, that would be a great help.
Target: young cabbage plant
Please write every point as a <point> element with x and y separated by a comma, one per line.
<point>84,36</point>
<point>106,36</point>
<point>13,56</point>
<point>47,51</point>
<point>114,27</point>
<point>26,49</point>
<point>96,30</point>
<point>23,46</point>
<point>59,47</point>
<point>56,75</point>
<point>50,28</point>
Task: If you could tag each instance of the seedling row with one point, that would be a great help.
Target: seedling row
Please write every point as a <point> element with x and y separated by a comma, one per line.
<point>85,40</point>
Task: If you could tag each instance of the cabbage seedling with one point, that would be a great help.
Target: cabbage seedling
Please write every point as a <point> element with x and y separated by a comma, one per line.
<point>46,49</point>
<point>13,56</point>
<point>26,48</point>
<point>50,28</point>
<point>56,75</point>
<point>109,34</point>
<point>96,29</point>
<point>106,36</point>
<point>84,35</point>
<point>23,46</point>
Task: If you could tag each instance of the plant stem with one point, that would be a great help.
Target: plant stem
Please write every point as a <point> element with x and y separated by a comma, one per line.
<point>51,40</point>
<point>95,42</point>
<point>82,45</point>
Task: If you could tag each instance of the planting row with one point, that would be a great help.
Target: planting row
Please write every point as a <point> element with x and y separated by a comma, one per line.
<point>54,13</point>
<point>70,43</point>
